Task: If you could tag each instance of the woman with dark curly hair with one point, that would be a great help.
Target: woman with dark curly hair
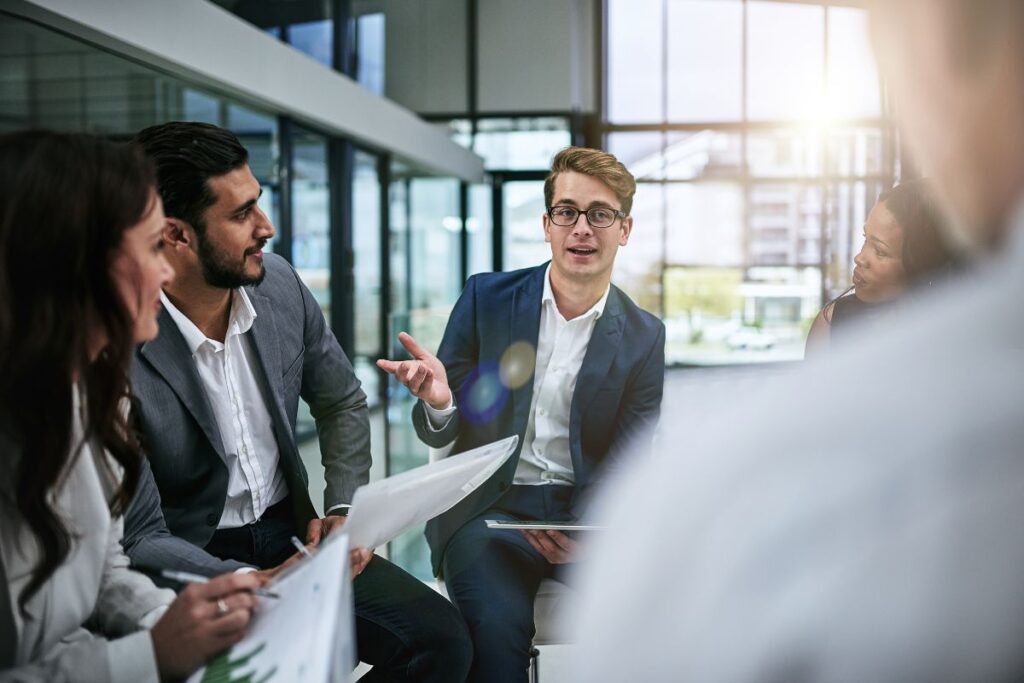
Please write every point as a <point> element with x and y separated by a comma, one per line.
<point>903,248</point>
<point>81,268</point>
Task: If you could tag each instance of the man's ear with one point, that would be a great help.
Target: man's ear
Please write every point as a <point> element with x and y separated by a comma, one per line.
<point>546,222</point>
<point>178,234</point>
<point>626,230</point>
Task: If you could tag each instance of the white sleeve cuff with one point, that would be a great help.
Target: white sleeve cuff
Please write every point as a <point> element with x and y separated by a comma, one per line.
<point>132,659</point>
<point>437,420</point>
<point>150,618</point>
<point>339,506</point>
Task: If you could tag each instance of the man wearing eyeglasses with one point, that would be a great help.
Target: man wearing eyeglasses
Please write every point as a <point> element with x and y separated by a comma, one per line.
<point>559,356</point>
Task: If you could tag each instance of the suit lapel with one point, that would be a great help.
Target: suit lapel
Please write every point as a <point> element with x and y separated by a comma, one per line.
<point>265,341</point>
<point>525,326</point>
<point>604,343</point>
<point>169,355</point>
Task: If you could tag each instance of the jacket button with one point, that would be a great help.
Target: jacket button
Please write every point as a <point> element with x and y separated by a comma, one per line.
<point>211,519</point>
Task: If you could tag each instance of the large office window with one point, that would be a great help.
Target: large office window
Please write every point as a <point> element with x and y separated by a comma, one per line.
<point>311,218</point>
<point>756,132</point>
<point>425,282</point>
<point>366,249</point>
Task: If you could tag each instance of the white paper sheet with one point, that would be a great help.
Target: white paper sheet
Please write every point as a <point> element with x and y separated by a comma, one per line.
<point>385,508</point>
<point>305,635</point>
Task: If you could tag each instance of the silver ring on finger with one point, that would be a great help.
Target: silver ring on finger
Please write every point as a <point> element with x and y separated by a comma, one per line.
<point>222,607</point>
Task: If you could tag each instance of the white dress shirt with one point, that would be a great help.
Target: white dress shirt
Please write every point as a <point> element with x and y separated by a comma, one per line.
<point>561,348</point>
<point>255,481</point>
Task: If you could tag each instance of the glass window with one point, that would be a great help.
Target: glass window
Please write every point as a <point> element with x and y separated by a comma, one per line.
<point>704,154</point>
<point>855,151</point>
<point>524,232</point>
<point>785,61</point>
<point>398,239</point>
<point>370,45</point>
<point>790,152</point>
<point>311,218</point>
<point>521,143</point>
<point>853,88</point>
<point>732,315</point>
<point>199,106</point>
<point>638,265</point>
<point>785,224</point>
<point>642,153</point>
<point>635,73</point>
<point>704,56</point>
<point>367,276</point>
<point>434,241</point>
<point>480,229</point>
<point>314,38</point>
<point>760,206</point>
<point>425,232</point>
<point>704,224</point>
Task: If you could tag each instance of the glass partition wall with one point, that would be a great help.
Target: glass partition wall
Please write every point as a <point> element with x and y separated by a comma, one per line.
<point>329,199</point>
<point>426,233</point>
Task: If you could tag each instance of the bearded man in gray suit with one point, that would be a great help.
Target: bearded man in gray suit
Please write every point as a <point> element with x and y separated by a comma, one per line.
<point>241,339</point>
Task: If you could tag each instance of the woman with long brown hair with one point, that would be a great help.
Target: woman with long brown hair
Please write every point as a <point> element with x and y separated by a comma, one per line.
<point>81,270</point>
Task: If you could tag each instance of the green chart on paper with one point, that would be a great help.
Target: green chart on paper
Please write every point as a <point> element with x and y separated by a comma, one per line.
<point>231,668</point>
<point>301,634</point>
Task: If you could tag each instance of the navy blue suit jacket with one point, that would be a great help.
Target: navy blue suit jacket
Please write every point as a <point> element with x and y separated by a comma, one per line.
<point>614,407</point>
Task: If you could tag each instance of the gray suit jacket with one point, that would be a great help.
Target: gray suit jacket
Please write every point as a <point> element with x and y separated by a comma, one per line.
<point>298,356</point>
<point>151,545</point>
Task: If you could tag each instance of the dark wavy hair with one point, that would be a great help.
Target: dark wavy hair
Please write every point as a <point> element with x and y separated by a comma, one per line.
<point>925,255</point>
<point>65,203</point>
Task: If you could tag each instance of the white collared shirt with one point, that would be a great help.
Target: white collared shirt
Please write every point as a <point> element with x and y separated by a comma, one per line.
<point>561,347</point>
<point>255,481</point>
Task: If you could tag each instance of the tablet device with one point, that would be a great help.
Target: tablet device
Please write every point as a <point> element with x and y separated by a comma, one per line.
<point>540,526</point>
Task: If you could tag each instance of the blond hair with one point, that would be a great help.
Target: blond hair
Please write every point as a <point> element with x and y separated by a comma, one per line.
<point>597,164</point>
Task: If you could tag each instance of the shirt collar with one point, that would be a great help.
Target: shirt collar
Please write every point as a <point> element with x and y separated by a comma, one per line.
<point>597,310</point>
<point>240,319</point>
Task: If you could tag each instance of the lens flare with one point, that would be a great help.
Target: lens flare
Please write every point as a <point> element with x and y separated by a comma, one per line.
<point>483,395</point>
<point>516,365</point>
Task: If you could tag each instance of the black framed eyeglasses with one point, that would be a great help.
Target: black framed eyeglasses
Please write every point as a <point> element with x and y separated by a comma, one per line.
<point>598,216</point>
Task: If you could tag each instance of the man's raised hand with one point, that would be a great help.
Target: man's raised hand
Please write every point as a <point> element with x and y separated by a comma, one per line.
<point>424,375</point>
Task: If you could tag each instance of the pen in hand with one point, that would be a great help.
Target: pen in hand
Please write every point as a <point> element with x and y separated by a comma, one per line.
<point>189,577</point>
<point>302,549</point>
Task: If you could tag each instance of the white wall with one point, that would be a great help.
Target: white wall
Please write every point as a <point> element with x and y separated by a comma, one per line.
<point>536,55</point>
<point>533,55</point>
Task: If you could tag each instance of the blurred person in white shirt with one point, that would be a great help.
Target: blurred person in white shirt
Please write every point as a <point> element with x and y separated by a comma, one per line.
<point>791,549</point>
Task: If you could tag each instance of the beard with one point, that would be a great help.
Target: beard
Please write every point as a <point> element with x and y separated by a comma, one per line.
<point>220,271</point>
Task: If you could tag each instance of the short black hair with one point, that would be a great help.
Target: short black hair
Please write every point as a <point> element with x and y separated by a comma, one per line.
<point>186,154</point>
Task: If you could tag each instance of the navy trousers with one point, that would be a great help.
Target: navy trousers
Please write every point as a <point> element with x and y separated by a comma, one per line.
<point>405,629</point>
<point>492,576</point>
